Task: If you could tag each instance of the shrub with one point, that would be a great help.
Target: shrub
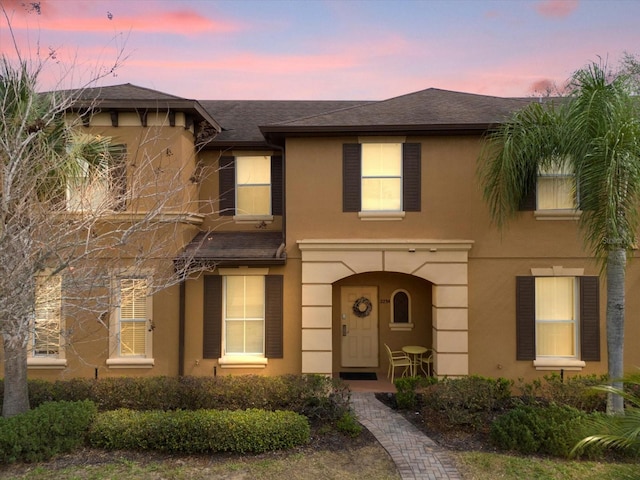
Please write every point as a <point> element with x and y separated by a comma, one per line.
<point>467,401</point>
<point>41,433</point>
<point>576,391</point>
<point>349,425</point>
<point>199,431</point>
<point>407,390</point>
<point>552,430</point>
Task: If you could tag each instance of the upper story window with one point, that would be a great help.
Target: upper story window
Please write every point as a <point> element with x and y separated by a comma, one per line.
<point>381,180</point>
<point>555,188</point>
<point>253,185</point>
<point>99,187</point>
<point>381,177</point>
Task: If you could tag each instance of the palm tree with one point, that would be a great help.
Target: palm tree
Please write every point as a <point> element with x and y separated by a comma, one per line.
<point>620,432</point>
<point>595,132</point>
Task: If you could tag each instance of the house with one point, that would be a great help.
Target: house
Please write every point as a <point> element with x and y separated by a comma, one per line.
<point>327,229</point>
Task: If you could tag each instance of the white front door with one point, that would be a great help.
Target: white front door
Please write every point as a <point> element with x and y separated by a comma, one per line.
<point>359,326</point>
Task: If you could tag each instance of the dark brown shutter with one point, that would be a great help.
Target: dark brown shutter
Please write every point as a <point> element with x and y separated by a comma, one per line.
<point>276,185</point>
<point>118,169</point>
<point>590,319</point>
<point>212,317</point>
<point>227,183</point>
<point>525,318</point>
<point>274,345</point>
<point>529,201</point>
<point>411,179</point>
<point>351,177</point>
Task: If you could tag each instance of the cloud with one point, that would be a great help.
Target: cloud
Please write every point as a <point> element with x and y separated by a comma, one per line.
<point>556,8</point>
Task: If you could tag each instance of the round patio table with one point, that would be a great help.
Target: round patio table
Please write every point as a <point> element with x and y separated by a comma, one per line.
<point>415,351</point>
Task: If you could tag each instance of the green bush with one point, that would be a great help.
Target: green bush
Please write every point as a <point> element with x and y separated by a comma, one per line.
<point>467,401</point>
<point>551,430</point>
<point>349,425</point>
<point>199,431</point>
<point>41,433</point>
<point>573,391</point>
<point>407,397</point>
<point>318,397</point>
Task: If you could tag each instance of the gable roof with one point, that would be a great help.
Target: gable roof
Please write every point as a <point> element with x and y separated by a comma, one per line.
<point>427,110</point>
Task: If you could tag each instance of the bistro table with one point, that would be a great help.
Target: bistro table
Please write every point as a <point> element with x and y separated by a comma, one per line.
<point>415,351</point>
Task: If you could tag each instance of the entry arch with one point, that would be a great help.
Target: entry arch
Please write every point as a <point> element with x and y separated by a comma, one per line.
<point>444,263</point>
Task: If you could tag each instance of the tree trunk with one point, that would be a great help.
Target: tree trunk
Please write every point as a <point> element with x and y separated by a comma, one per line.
<point>16,389</point>
<point>616,265</point>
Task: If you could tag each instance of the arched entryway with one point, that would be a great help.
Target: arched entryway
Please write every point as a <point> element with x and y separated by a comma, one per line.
<point>443,263</point>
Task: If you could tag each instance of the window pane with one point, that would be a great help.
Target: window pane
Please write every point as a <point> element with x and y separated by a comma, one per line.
<point>381,159</point>
<point>400,308</point>
<point>555,339</point>
<point>254,297</point>
<point>253,200</point>
<point>555,193</point>
<point>133,298</point>
<point>235,297</point>
<point>133,335</point>
<point>253,170</point>
<point>255,334</point>
<point>235,336</point>
<point>554,298</point>
<point>381,194</point>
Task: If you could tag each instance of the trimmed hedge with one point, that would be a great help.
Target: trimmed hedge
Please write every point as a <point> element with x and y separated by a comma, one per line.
<point>319,398</point>
<point>41,433</point>
<point>199,431</point>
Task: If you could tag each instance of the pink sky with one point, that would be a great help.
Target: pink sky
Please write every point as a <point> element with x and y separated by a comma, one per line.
<point>312,49</point>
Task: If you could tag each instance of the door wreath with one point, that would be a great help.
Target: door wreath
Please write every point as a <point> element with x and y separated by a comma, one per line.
<point>362,307</point>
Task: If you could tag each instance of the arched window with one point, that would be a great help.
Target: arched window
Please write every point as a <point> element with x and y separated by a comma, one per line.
<point>401,311</point>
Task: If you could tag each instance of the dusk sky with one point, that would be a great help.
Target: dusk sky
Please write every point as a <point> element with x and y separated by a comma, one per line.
<point>322,49</point>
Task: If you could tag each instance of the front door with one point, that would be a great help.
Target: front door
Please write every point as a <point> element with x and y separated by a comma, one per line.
<point>359,326</point>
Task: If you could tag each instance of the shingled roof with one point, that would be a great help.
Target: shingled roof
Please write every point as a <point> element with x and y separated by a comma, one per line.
<point>240,119</point>
<point>427,110</point>
<point>216,249</point>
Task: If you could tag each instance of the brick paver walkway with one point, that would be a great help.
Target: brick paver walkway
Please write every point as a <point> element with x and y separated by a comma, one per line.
<point>416,455</point>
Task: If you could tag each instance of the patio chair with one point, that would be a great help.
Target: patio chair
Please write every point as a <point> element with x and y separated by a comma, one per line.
<point>397,359</point>
<point>427,359</point>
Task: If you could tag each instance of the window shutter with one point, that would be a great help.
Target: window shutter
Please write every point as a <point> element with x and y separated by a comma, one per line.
<point>227,183</point>
<point>529,201</point>
<point>525,318</point>
<point>590,319</point>
<point>411,176</point>
<point>274,344</point>
<point>212,317</point>
<point>276,185</point>
<point>351,177</point>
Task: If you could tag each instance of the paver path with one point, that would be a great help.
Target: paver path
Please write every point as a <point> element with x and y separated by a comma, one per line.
<point>416,455</point>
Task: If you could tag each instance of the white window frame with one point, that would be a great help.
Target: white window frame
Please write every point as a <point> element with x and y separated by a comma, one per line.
<point>400,326</point>
<point>241,360</point>
<point>252,217</point>
<point>548,362</point>
<point>47,361</point>
<point>116,359</point>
